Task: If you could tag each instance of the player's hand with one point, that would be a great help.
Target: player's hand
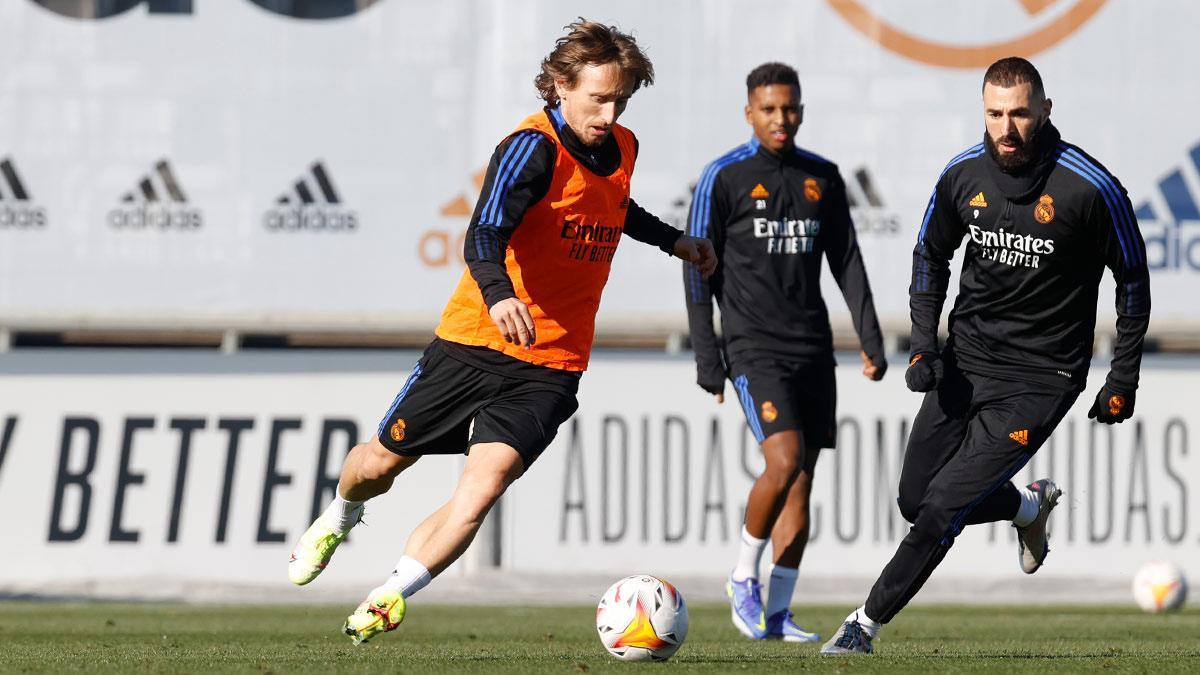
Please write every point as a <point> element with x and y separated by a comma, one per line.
<point>1111,407</point>
<point>698,251</point>
<point>513,319</point>
<point>924,372</point>
<point>714,387</point>
<point>871,371</point>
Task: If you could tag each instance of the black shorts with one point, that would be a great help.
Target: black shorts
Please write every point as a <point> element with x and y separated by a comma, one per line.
<point>781,396</point>
<point>446,406</point>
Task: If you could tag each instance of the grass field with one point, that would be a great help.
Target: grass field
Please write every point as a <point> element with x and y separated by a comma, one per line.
<point>55,637</point>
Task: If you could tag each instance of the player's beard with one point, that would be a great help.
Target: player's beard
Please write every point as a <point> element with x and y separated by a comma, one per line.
<point>1017,161</point>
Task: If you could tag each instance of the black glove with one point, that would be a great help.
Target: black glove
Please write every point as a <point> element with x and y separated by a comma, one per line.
<point>714,389</point>
<point>1112,406</point>
<point>882,364</point>
<point>924,372</point>
<point>711,380</point>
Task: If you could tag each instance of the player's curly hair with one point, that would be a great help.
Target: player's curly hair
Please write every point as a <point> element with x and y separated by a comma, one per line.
<point>770,73</point>
<point>589,43</point>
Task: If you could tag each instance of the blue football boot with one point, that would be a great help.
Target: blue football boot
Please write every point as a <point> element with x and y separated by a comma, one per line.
<point>781,627</point>
<point>745,601</point>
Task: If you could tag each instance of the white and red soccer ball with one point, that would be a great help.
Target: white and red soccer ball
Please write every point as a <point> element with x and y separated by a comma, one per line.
<point>642,618</point>
<point>1159,586</point>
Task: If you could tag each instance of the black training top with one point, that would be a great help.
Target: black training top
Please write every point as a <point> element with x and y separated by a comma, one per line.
<point>771,217</point>
<point>1037,244</point>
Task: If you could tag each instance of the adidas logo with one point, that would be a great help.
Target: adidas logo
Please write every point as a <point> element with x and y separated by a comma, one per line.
<point>870,218</point>
<point>1021,436</point>
<point>1170,220</point>
<point>978,201</point>
<point>759,192</point>
<point>157,202</point>
<point>312,204</point>
<point>16,211</point>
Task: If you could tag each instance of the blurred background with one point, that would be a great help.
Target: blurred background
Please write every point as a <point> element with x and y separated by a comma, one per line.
<point>228,226</point>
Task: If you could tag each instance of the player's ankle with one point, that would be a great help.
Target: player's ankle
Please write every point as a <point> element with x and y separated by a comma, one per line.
<point>409,576</point>
<point>870,626</point>
<point>1027,512</point>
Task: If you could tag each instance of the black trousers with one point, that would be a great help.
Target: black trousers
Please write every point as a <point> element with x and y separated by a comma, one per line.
<point>971,436</point>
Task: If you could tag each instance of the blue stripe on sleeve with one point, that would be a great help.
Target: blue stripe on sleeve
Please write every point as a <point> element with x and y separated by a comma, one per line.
<point>700,220</point>
<point>922,280</point>
<point>514,159</point>
<point>1122,217</point>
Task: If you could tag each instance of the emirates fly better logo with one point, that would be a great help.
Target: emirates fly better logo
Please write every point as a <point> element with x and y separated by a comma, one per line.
<point>157,202</point>
<point>311,204</point>
<point>17,212</point>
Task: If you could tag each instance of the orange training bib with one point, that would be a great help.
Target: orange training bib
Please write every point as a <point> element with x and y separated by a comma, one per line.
<point>558,259</point>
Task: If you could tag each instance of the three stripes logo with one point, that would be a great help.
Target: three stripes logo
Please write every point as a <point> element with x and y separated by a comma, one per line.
<point>156,202</point>
<point>311,204</point>
<point>866,205</point>
<point>17,211</point>
<point>1021,436</point>
<point>1170,220</point>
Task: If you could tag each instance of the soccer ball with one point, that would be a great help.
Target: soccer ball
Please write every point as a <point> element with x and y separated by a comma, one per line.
<point>642,618</point>
<point>1159,586</point>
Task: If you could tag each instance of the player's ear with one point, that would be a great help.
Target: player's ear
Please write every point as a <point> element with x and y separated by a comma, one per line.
<point>1046,105</point>
<point>800,114</point>
<point>560,88</point>
<point>748,120</point>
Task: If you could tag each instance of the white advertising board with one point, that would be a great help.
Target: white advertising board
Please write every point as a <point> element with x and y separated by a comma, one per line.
<point>652,474</point>
<point>151,480</point>
<point>218,163</point>
<point>154,478</point>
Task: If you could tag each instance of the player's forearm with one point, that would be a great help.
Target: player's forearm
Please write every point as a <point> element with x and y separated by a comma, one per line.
<point>856,290</point>
<point>710,367</point>
<point>1133,320</point>
<point>926,296</point>
<point>493,280</point>
<point>648,228</point>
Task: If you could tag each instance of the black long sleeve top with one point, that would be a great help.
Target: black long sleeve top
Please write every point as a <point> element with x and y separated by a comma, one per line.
<point>772,217</point>
<point>1037,244</point>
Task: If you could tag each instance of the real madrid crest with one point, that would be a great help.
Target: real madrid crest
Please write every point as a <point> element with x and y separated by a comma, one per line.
<point>398,429</point>
<point>812,191</point>
<point>769,413</point>
<point>1043,211</point>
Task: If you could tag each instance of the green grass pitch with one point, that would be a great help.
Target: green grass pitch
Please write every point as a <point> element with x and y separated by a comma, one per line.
<point>119,638</point>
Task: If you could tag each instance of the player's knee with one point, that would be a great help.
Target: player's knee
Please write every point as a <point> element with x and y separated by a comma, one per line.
<point>910,507</point>
<point>936,523</point>
<point>782,470</point>
<point>378,462</point>
<point>479,490</point>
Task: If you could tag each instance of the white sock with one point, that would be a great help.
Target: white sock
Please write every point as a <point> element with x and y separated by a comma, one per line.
<point>342,514</point>
<point>749,553</point>
<point>869,625</point>
<point>409,577</point>
<point>1028,511</point>
<point>779,593</point>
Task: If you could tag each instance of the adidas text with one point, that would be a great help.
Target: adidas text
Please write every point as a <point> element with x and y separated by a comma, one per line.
<point>295,218</point>
<point>22,217</point>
